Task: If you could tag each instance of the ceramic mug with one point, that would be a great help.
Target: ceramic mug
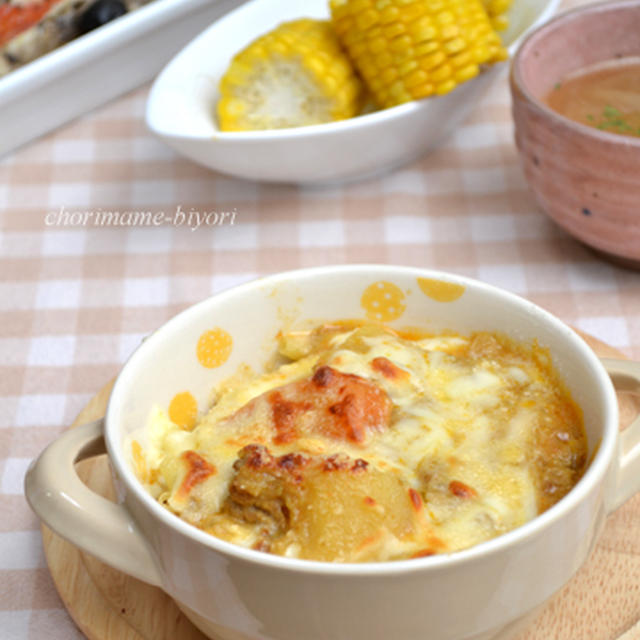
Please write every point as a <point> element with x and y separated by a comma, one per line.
<point>584,178</point>
<point>233,593</point>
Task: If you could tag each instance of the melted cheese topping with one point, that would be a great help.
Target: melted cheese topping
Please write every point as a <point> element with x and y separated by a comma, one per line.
<point>480,429</point>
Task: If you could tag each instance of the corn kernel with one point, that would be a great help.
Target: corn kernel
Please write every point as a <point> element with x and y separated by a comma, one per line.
<point>407,67</point>
<point>497,10</point>
<point>481,54</point>
<point>466,73</point>
<point>445,87</point>
<point>383,60</point>
<point>359,6</point>
<point>452,47</point>
<point>416,78</point>
<point>445,17</point>
<point>367,19</point>
<point>500,23</point>
<point>426,48</point>
<point>422,90</point>
<point>400,44</point>
<point>440,74</point>
<point>377,45</point>
<point>432,61</point>
<point>389,15</point>
<point>359,50</point>
<point>388,76</point>
<point>412,12</point>
<point>497,7</point>
<point>423,31</point>
<point>368,69</point>
<point>449,31</point>
<point>461,59</point>
<point>394,30</point>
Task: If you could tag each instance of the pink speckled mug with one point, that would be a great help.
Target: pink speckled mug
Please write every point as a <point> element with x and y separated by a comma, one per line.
<point>585,179</point>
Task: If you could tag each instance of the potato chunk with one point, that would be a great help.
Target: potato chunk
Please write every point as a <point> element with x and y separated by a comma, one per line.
<point>333,508</point>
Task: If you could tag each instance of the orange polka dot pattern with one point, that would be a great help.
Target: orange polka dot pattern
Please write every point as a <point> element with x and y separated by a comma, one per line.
<point>214,348</point>
<point>183,410</point>
<point>383,301</point>
<point>440,290</point>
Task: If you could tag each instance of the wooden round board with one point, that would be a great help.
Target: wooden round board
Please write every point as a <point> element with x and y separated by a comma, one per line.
<point>602,602</point>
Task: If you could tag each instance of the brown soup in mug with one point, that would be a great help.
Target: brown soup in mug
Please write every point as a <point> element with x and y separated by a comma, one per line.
<point>605,96</point>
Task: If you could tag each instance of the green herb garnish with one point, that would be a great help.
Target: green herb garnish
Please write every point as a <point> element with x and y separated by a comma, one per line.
<point>612,120</point>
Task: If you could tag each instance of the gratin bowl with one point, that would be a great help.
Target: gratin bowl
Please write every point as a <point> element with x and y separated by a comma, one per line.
<point>233,593</point>
<point>181,107</point>
<point>585,179</point>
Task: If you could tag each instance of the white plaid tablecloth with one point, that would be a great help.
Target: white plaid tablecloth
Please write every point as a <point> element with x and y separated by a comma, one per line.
<point>78,292</point>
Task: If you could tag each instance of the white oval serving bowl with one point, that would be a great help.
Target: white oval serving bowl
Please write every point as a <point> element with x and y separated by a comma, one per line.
<point>232,593</point>
<point>181,107</point>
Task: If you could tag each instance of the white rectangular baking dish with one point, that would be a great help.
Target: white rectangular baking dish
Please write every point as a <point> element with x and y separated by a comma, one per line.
<point>98,66</point>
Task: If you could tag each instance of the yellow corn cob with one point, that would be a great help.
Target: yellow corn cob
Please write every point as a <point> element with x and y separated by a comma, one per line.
<point>293,76</point>
<point>497,10</point>
<point>411,49</point>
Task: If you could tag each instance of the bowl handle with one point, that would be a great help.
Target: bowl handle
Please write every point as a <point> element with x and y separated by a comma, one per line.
<point>625,375</point>
<point>86,519</point>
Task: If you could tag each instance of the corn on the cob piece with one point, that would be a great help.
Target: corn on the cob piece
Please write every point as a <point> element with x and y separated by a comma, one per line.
<point>497,10</point>
<point>411,49</point>
<point>293,76</point>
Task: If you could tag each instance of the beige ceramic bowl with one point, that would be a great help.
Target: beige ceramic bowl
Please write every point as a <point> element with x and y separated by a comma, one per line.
<point>587,180</point>
<point>232,593</point>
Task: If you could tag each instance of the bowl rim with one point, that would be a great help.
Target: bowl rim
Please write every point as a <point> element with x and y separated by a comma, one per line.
<point>518,84</point>
<point>604,449</point>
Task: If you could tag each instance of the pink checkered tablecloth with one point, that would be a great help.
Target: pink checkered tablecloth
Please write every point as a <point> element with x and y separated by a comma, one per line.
<point>78,291</point>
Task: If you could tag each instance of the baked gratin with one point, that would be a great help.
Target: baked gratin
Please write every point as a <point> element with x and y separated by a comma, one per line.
<point>31,28</point>
<point>362,443</point>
